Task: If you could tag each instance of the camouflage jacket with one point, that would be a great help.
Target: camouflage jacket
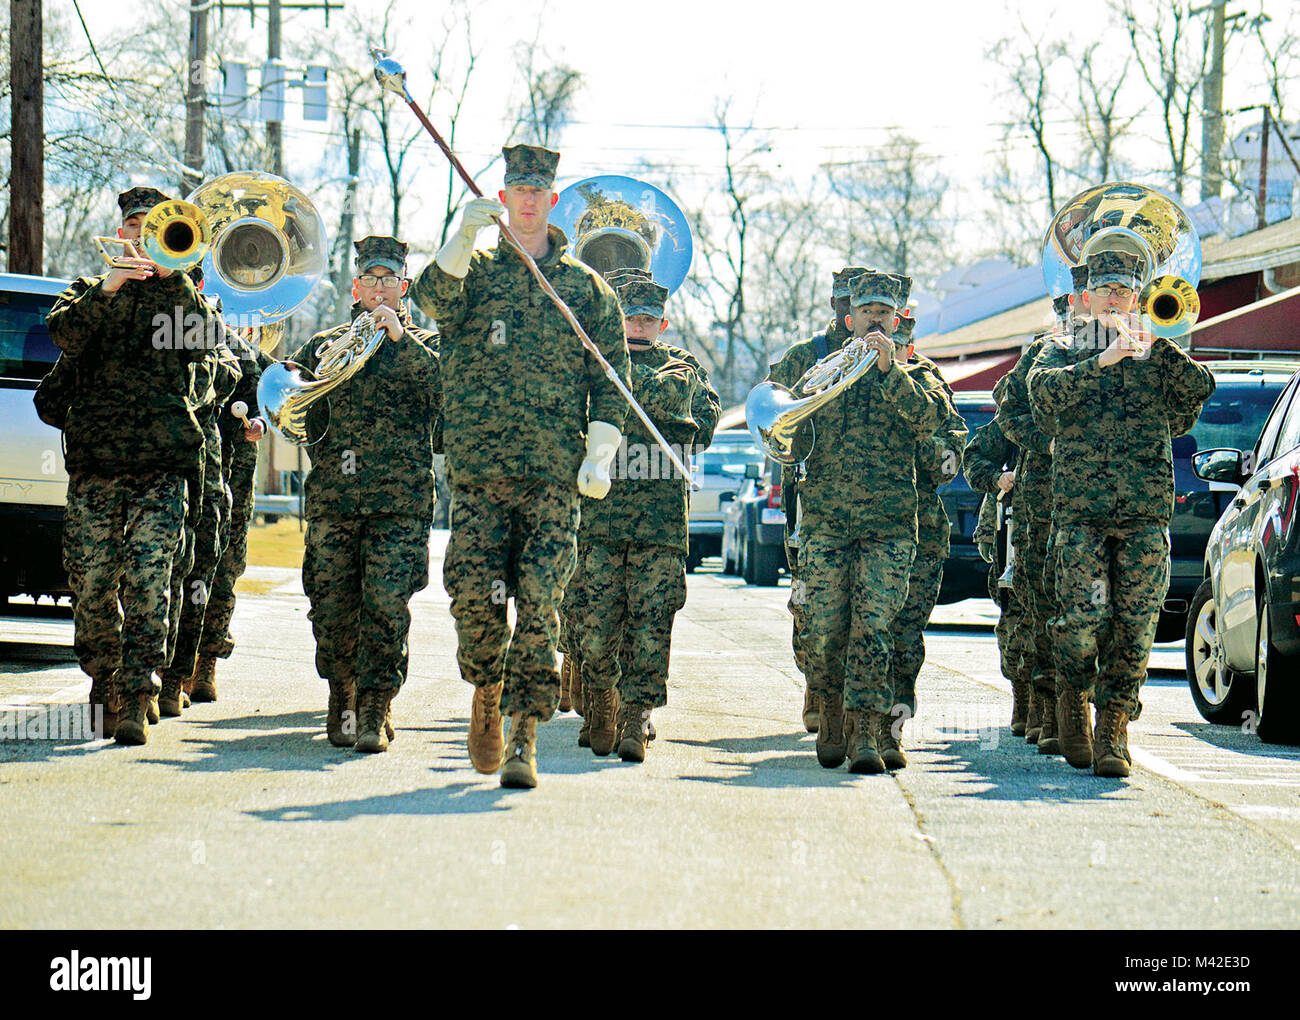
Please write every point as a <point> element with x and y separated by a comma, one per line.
<point>938,462</point>
<point>376,456</point>
<point>1016,419</point>
<point>647,501</point>
<point>1113,461</point>
<point>861,475</point>
<point>518,386</point>
<point>131,407</point>
<point>236,451</point>
<point>988,454</point>
<point>835,335</point>
<point>215,378</point>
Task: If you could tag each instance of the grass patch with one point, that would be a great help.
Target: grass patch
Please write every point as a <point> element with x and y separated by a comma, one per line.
<point>275,545</point>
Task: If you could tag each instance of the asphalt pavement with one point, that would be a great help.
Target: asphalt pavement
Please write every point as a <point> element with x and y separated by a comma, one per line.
<point>240,814</point>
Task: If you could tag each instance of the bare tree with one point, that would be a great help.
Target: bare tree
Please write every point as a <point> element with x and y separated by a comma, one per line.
<point>1281,57</point>
<point>1102,123</point>
<point>1029,60</point>
<point>550,92</point>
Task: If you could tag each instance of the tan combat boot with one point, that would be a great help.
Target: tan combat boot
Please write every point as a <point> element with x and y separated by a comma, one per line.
<point>390,731</point>
<point>1110,755</point>
<point>602,713</point>
<point>864,751</point>
<point>341,716</point>
<point>578,690</point>
<point>372,706</point>
<point>1075,717</point>
<point>810,713</point>
<point>205,680</point>
<point>103,695</point>
<point>1020,698</point>
<point>171,698</point>
<point>486,738</point>
<point>1049,737</point>
<point>633,731</point>
<point>520,769</point>
<point>830,730</point>
<point>888,737</point>
<point>1034,717</point>
<point>133,720</point>
<point>566,684</point>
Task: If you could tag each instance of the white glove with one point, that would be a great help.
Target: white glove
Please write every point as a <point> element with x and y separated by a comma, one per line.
<point>479,214</point>
<point>603,441</point>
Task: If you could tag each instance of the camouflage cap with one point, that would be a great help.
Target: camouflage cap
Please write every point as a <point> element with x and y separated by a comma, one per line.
<point>1114,267</point>
<point>1061,305</point>
<point>905,326</point>
<point>617,277</point>
<point>871,287</point>
<point>139,200</point>
<point>642,297</point>
<point>905,282</point>
<point>1079,276</point>
<point>530,165</point>
<point>379,250</point>
<point>841,279</point>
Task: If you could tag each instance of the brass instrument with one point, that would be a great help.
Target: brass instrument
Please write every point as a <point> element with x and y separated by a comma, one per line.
<point>1007,517</point>
<point>779,418</point>
<point>174,234</point>
<point>1140,221</point>
<point>286,391</point>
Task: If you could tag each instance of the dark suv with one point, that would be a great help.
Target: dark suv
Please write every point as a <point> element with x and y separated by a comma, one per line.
<point>965,575</point>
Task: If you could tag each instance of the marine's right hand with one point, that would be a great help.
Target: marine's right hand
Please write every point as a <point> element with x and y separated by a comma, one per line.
<point>1006,480</point>
<point>479,214</point>
<point>132,269</point>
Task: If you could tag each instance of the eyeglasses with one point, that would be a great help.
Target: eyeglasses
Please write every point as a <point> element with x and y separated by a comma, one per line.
<point>371,280</point>
<point>1114,290</point>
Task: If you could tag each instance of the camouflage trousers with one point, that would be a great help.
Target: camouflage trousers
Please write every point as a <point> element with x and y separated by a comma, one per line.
<point>119,537</point>
<point>909,625</point>
<point>796,609</point>
<point>511,537</point>
<point>215,639</point>
<point>851,591</point>
<point>191,598</point>
<point>618,609</point>
<point>360,571</point>
<point>1035,587</point>
<point>1111,581</point>
<point>1015,637</point>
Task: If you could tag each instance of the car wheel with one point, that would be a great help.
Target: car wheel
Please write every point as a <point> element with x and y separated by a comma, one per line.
<point>1278,721</point>
<point>692,561</point>
<point>1171,627</point>
<point>747,559</point>
<point>1221,694</point>
<point>767,564</point>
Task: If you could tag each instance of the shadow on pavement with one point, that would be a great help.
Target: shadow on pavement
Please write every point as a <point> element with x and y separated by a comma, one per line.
<point>793,764</point>
<point>1006,768</point>
<point>459,798</point>
<point>1233,738</point>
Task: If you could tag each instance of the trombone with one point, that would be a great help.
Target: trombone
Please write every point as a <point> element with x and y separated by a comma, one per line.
<point>175,235</point>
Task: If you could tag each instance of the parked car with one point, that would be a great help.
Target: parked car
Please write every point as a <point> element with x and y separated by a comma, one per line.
<point>753,538</point>
<point>965,575</point>
<point>33,478</point>
<point>1233,418</point>
<point>720,470</point>
<point>1243,634</point>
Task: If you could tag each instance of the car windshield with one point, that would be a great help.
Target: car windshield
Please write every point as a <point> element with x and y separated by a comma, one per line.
<point>1234,415</point>
<point>26,350</point>
<point>976,415</point>
<point>728,459</point>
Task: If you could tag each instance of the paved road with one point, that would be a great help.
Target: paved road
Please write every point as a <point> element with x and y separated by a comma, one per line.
<point>242,815</point>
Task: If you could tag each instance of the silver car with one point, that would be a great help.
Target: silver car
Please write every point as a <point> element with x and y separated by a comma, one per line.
<point>720,470</point>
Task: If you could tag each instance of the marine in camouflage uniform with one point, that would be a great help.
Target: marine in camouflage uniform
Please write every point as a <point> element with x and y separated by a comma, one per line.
<point>196,562</point>
<point>832,338</point>
<point>859,526</point>
<point>631,575</point>
<point>238,465</point>
<point>989,456</point>
<point>130,438</point>
<point>528,409</point>
<point>1111,407</point>
<point>938,461</point>
<point>369,503</point>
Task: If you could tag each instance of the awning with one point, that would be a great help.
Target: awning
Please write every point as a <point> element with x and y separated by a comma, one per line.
<point>1270,325</point>
<point>982,373</point>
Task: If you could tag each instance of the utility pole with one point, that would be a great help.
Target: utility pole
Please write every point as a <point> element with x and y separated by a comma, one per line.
<point>274,139</point>
<point>196,96</point>
<point>342,276</point>
<point>27,139</point>
<point>1212,98</point>
<point>1261,215</point>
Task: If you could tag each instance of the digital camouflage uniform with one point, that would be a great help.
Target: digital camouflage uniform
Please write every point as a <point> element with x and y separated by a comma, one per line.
<point>518,391</point>
<point>859,526</point>
<point>196,562</point>
<point>988,454</point>
<point>130,437</point>
<point>238,465</point>
<point>631,575</point>
<point>938,460</point>
<point>369,506</point>
<point>1113,499</point>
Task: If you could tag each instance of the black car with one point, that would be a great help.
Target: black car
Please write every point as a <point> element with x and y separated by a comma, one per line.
<point>753,537</point>
<point>965,575</point>
<point>1245,624</point>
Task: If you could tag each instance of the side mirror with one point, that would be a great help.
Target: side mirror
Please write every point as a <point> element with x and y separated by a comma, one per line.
<point>1220,466</point>
<point>753,470</point>
<point>726,497</point>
